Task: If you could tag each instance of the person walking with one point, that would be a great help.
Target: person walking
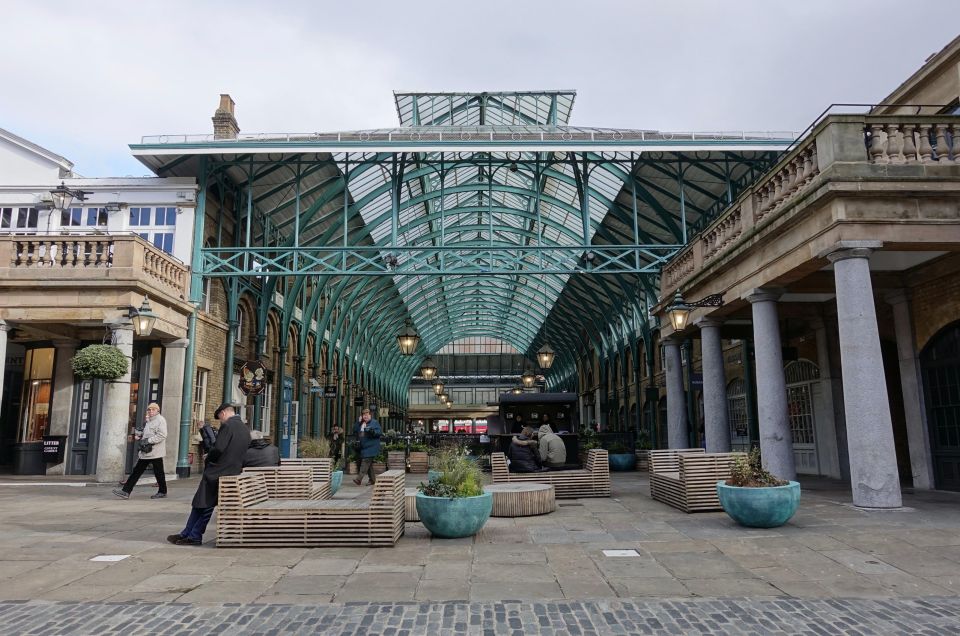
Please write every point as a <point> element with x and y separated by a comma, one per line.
<point>151,443</point>
<point>368,432</point>
<point>224,460</point>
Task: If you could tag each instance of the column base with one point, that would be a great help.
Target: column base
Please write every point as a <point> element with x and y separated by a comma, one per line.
<point>183,472</point>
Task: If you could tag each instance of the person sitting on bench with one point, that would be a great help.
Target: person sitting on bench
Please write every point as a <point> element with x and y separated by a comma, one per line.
<point>553,453</point>
<point>523,453</point>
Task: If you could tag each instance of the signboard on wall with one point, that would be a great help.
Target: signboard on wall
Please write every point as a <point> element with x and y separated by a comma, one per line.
<point>358,401</point>
<point>330,391</point>
<point>252,378</point>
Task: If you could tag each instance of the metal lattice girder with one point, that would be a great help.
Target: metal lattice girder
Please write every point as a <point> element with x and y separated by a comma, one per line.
<point>435,261</point>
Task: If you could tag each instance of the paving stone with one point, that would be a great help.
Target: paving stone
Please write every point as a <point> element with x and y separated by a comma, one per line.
<point>520,590</point>
<point>699,565</point>
<point>181,583</point>
<point>325,566</point>
<point>226,591</point>
<point>727,587</point>
<point>308,585</point>
<point>505,572</point>
<point>243,572</point>
<point>442,590</point>
<point>667,587</point>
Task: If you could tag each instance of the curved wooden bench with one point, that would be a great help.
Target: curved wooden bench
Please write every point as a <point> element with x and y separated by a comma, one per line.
<point>692,487</point>
<point>591,481</point>
<point>322,466</point>
<point>292,482</point>
<point>522,500</point>
<point>248,517</point>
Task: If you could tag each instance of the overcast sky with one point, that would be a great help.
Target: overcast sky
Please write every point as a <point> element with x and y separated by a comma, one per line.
<point>84,79</point>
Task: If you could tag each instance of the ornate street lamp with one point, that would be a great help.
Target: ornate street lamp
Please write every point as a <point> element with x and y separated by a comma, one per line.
<point>679,310</point>
<point>143,318</point>
<point>428,370</point>
<point>528,378</point>
<point>517,390</point>
<point>444,398</point>
<point>63,196</point>
<point>408,339</point>
<point>438,387</point>
<point>545,356</point>
<point>449,405</point>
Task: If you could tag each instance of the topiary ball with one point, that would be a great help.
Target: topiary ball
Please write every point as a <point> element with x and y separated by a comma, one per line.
<point>102,362</point>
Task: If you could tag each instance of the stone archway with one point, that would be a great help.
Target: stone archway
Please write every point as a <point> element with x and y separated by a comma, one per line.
<point>940,365</point>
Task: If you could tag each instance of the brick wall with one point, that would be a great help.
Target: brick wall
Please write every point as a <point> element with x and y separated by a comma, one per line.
<point>936,301</point>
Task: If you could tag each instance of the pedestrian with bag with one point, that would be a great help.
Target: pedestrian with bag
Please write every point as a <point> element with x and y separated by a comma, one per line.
<point>224,460</point>
<point>151,447</point>
<point>368,433</point>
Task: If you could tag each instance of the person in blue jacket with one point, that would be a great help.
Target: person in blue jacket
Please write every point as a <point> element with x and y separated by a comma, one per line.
<point>368,433</point>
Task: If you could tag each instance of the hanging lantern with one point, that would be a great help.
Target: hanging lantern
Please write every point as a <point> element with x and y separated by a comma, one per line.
<point>143,319</point>
<point>517,390</point>
<point>444,398</point>
<point>428,370</point>
<point>528,378</point>
<point>408,339</point>
<point>449,405</point>
<point>438,387</point>
<point>545,356</point>
<point>679,312</point>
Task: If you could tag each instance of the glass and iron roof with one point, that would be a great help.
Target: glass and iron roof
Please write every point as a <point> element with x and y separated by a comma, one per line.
<point>477,173</point>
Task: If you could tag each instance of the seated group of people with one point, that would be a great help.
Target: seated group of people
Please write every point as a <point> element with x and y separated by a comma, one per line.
<point>535,451</point>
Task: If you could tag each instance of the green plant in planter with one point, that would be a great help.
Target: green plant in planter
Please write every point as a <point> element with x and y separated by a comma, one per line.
<point>453,503</point>
<point>618,448</point>
<point>418,447</point>
<point>100,362</point>
<point>755,498</point>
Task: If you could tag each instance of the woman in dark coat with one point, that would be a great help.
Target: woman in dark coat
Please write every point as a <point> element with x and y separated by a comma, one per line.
<point>224,460</point>
<point>523,453</point>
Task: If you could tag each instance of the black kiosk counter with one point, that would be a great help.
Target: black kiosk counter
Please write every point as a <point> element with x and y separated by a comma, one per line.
<point>517,410</point>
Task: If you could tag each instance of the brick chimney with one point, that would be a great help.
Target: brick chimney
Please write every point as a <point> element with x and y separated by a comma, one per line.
<point>224,123</point>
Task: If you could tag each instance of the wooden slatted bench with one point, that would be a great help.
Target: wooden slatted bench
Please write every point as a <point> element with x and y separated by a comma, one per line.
<point>322,466</point>
<point>247,516</point>
<point>292,482</point>
<point>591,481</point>
<point>692,486</point>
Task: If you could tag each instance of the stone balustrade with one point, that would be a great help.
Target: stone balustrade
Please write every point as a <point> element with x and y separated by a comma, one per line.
<point>838,140</point>
<point>922,140</point>
<point>73,257</point>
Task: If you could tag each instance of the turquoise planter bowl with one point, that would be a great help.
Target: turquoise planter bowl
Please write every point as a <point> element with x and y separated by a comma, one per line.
<point>433,474</point>
<point>760,507</point>
<point>454,518</point>
<point>622,461</point>
<point>336,478</point>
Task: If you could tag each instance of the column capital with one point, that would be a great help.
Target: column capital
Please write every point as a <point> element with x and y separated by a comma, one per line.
<point>707,322</point>
<point>897,296</point>
<point>763,294</point>
<point>672,340</point>
<point>180,343</point>
<point>842,250</point>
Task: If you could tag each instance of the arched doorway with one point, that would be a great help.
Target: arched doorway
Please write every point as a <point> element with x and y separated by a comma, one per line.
<point>940,364</point>
<point>737,415</point>
<point>803,379</point>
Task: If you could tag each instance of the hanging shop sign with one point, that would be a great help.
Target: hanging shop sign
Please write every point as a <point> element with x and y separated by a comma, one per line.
<point>330,391</point>
<point>252,378</point>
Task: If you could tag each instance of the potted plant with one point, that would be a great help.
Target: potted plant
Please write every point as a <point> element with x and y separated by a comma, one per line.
<point>419,460</point>
<point>453,504</point>
<point>588,439</point>
<point>380,462</point>
<point>643,457</point>
<point>620,457</point>
<point>100,362</point>
<point>755,498</point>
<point>396,455</point>
<point>319,447</point>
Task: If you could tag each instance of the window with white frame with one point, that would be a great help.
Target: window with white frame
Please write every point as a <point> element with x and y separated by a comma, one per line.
<point>18,219</point>
<point>205,295</point>
<point>266,400</point>
<point>238,333</point>
<point>83,217</point>
<point>200,398</point>
<point>156,225</point>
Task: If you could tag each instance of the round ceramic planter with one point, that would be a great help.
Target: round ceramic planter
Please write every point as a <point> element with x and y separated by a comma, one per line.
<point>433,474</point>
<point>766,507</point>
<point>452,518</point>
<point>336,478</point>
<point>622,461</point>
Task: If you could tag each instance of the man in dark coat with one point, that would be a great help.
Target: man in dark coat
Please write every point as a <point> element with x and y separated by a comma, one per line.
<point>523,453</point>
<point>368,433</point>
<point>224,460</point>
<point>261,452</point>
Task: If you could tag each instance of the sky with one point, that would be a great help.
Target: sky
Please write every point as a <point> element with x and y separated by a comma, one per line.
<point>84,79</point>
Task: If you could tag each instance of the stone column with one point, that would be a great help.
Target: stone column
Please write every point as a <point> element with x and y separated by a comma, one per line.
<point>873,460</point>
<point>715,426</point>
<point>827,441</point>
<point>4,329</point>
<point>61,406</point>
<point>174,360</point>
<point>916,414</point>
<point>677,424</point>
<point>115,417</point>
<point>776,443</point>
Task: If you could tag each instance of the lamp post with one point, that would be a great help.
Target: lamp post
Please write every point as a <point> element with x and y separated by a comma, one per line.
<point>679,310</point>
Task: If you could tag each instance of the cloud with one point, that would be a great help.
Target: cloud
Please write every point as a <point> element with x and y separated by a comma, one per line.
<point>85,79</point>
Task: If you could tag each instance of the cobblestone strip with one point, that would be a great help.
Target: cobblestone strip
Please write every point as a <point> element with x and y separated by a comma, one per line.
<point>514,618</point>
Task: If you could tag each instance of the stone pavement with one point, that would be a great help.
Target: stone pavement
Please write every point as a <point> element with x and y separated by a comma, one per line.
<point>830,550</point>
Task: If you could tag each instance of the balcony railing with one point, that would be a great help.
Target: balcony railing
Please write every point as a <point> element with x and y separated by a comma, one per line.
<point>872,140</point>
<point>76,257</point>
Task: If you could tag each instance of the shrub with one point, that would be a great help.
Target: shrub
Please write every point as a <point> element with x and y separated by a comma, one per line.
<point>102,362</point>
<point>459,476</point>
<point>618,448</point>
<point>314,447</point>
<point>419,448</point>
<point>748,472</point>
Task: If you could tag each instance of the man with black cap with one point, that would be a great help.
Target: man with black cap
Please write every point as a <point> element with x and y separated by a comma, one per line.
<point>224,460</point>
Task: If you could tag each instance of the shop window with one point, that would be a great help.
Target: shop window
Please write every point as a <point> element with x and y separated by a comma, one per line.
<point>266,402</point>
<point>37,394</point>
